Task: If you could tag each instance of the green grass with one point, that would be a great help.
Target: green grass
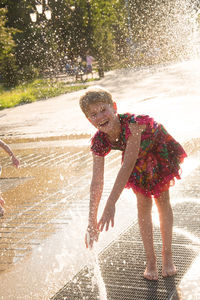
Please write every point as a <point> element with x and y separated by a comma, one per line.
<point>36,90</point>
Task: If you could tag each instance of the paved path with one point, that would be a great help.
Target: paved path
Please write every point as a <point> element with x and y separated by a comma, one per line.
<point>47,198</point>
<point>122,262</point>
<point>170,94</point>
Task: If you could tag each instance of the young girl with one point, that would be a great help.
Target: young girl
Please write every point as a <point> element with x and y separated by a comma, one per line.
<point>150,161</point>
<point>15,162</point>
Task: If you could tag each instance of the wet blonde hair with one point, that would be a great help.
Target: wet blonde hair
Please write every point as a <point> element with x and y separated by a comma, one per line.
<point>94,95</point>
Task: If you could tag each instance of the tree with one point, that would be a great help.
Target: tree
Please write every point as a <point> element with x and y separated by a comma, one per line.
<point>7,45</point>
<point>75,27</point>
<point>109,31</point>
<point>100,27</point>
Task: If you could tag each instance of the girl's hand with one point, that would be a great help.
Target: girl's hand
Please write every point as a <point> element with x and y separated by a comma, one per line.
<point>15,161</point>
<point>91,235</point>
<point>107,217</point>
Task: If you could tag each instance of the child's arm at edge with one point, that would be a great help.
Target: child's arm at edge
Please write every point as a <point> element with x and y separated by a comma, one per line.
<point>7,149</point>
<point>96,189</point>
<point>130,157</point>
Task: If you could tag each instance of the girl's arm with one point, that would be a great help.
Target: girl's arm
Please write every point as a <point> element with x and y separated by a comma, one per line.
<point>130,157</point>
<point>96,189</point>
<point>6,148</point>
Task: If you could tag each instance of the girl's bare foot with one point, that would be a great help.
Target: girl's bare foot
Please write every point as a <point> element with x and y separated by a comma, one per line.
<point>151,272</point>
<point>168,267</point>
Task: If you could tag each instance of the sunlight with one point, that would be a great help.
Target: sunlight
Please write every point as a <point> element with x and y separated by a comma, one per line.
<point>188,166</point>
<point>193,238</point>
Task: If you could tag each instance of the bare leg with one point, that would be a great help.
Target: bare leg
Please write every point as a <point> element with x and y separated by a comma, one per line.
<point>144,205</point>
<point>166,227</point>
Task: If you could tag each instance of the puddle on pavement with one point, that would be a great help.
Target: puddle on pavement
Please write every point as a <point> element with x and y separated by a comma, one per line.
<point>38,195</point>
<point>43,195</point>
<point>10,183</point>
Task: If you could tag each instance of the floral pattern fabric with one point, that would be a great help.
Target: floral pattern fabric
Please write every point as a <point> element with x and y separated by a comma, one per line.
<point>159,159</point>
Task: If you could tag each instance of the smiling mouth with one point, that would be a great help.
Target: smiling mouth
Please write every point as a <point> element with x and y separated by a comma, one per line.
<point>103,124</point>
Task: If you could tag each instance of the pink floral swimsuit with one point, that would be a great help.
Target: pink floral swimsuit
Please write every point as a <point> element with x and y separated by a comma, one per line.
<point>159,158</point>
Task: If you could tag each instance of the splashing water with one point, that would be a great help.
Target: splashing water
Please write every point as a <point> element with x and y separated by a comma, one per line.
<point>97,278</point>
<point>164,31</point>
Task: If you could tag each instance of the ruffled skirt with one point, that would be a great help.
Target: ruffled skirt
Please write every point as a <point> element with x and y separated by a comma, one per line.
<point>157,166</point>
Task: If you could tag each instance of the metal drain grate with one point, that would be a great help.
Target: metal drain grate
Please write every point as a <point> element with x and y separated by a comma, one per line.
<point>122,263</point>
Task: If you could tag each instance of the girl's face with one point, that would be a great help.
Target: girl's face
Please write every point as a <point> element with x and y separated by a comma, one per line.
<point>102,116</point>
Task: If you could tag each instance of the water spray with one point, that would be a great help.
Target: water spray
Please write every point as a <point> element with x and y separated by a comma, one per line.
<point>97,276</point>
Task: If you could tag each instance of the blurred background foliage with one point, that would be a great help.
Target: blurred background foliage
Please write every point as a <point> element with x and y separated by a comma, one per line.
<point>117,33</point>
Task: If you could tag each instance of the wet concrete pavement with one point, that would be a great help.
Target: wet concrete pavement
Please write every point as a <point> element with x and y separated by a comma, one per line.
<point>47,197</point>
<point>122,262</point>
